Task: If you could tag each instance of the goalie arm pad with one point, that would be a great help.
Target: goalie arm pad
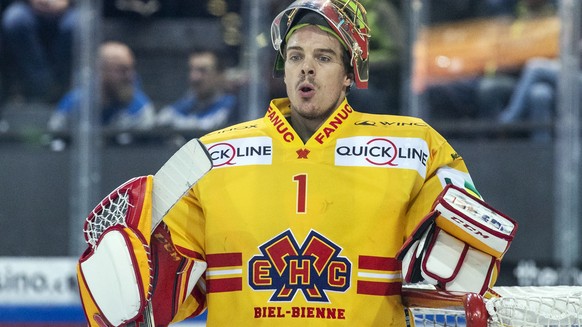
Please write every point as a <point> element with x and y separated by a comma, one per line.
<point>459,245</point>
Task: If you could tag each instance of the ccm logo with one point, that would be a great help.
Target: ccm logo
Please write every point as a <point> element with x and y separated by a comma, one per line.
<point>468,227</point>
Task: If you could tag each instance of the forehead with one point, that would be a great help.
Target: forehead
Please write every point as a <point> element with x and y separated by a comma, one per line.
<point>313,38</point>
<point>114,55</point>
<point>202,59</point>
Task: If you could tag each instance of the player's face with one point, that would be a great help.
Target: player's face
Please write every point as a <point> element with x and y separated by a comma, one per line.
<point>204,77</point>
<point>118,73</point>
<point>315,77</point>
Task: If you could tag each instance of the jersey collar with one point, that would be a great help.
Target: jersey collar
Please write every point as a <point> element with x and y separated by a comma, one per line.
<point>279,109</point>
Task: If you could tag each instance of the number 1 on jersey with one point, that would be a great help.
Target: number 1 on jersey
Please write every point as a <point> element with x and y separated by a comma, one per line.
<point>301,199</point>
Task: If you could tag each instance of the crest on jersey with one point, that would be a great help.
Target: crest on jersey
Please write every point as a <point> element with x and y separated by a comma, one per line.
<point>286,268</point>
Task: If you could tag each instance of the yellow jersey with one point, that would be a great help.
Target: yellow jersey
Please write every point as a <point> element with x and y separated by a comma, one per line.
<point>302,234</point>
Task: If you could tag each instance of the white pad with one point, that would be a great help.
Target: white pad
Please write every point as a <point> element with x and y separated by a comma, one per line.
<point>413,258</point>
<point>409,262</point>
<point>474,275</point>
<point>411,252</point>
<point>442,258</point>
<point>111,278</point>
<point>198,269</point>
<point>455,266</point>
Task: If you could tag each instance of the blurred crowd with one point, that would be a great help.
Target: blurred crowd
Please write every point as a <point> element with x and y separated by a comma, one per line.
<point>37,58</point>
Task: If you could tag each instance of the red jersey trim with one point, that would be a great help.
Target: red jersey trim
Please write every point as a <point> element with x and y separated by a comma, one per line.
<point>379,276</point>
<point>379,263</point>
<point>224,260</point>
<point>224,272</point>
<point>379,288</point>
<point>224,285</point>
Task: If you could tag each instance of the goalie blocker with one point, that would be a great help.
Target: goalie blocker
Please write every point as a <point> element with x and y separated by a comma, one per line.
<point>458,246</point>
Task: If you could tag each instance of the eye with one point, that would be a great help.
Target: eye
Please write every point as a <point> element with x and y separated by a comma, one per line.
<point>324,58</point>
<point>294,57</point>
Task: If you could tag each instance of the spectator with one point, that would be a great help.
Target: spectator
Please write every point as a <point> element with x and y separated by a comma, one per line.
<point>484,96</point>
<point>38,36</point>
<point>534,96</point>
<point>206,105</point>
<point>124,105</point>
<point>529,95</point>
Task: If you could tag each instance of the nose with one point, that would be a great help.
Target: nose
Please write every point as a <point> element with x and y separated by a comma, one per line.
<point>308,67</point>
<point>195,75</point>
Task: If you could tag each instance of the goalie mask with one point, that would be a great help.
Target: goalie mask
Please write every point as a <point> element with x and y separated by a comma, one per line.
<point>346,19</point>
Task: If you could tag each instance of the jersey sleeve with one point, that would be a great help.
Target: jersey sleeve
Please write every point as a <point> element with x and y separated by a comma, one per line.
<point>186,224</point>
<point>445,167</point>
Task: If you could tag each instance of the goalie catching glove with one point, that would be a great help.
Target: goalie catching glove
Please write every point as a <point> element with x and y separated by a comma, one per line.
<point>116,276</point>
<point>131,262</point>
<point>458,246</point>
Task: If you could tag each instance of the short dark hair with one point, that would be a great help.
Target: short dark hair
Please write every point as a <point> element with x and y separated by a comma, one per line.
<point>347,61</point>
<point>219,57</point>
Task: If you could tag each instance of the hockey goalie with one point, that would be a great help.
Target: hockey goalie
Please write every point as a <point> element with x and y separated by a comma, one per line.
<point>314,214</point>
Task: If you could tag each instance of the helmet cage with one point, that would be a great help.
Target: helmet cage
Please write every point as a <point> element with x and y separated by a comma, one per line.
<point>347,18</point>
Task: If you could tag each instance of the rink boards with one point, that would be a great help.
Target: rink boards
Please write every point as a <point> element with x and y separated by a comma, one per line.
<point>42,291</point>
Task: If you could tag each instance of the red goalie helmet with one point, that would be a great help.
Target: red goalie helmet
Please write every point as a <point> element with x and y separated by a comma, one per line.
<point>346,18</point>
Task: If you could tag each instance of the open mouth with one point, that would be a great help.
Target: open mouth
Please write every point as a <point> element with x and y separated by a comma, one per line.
<point>306,90</point>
